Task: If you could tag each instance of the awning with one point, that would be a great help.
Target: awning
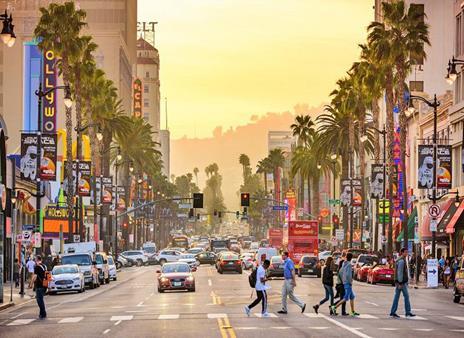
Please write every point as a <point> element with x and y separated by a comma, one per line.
<point>412,220</point>
<point>441,227</point>
<point>426,234</point>
<point>454,219</point>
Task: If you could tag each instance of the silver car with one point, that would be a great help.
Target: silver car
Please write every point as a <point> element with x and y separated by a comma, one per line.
<point>112,268</point>
<point>66,278</point>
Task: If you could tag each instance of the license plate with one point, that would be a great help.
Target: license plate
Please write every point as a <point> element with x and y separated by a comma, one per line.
<point>231,263</point>
<point>281,266</point>
<point>310,270</point>
<point>176,283</point>
<point>388,276</point>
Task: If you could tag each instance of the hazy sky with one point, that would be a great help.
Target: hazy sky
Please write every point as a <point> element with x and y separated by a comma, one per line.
<point>223,61</point>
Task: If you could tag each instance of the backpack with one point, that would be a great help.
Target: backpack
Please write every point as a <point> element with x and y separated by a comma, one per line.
<point>252,278</point>
<point>47,277</point>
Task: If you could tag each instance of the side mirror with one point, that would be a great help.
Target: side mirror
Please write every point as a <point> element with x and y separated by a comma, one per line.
<point>158,271</point>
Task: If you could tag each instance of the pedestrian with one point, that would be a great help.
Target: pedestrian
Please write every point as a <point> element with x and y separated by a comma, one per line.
<point>327,282</point>
<point>446,274</point>
<point>40,290</point>
<point>347,279</point>
<point>260,287</point>
<point>401,285</point>
<point>30,265</point>
<point>289,285</point>
<point>340,291</point>
<point>16,269</point>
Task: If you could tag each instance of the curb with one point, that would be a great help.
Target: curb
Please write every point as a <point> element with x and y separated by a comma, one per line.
<point>6,306</point>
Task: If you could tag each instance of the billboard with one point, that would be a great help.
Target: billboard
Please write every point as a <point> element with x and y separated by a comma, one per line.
<point>137,99</point>
<point>48,159</point>
<point>49,101</point>
<point>302,228</point>
<point>121,197</point>
<point>107,190</point>
<point>56,217</point>
<point>377,181</point>
<point>425,179</point>
<point>345,195</point>
<point>444,169</point>
<point>28,163</point>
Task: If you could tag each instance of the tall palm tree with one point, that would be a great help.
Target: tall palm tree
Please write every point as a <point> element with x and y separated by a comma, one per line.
<point>276,161</point>
<point>244,160</point>
<point>264,167</point>
<point>58,29</point>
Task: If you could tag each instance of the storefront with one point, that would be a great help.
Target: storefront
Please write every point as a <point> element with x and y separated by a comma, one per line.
<point>441,238</point>
<point>455,230</point>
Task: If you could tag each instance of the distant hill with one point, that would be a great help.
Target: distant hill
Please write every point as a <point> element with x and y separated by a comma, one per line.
<point>225,147</point>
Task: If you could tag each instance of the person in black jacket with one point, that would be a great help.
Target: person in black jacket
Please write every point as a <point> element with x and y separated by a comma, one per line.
<point>327,281</point>
<point>340,290</point>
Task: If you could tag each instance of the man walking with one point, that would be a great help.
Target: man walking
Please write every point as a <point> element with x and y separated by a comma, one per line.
<point>289,285</point>
<point>347,279</point>
<point>401,285</point>
<point>261,295</point>
<point>40,289</point>
<point>30,265</point>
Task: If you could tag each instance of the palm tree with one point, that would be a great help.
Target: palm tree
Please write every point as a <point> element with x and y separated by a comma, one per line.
<point>244,160</point>
<point>58,30</point>
<point>276,161</point>
<point>264,167</point>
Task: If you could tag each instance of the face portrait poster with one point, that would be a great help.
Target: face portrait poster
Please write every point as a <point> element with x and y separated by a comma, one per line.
<point>444,168</point>
<point>345,195</point>
<point>377,181</point>
<point>107,190</point>
<point>425,167</point>
<point>48,160</point>
<point>121,206</point>
<point>85,171</point>
<point>28,164</point>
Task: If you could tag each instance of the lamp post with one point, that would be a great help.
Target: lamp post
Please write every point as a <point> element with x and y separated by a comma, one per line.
<point>68,103</point>
<point>433,104</point>
<point>8,36</point>
<point>452,73</point>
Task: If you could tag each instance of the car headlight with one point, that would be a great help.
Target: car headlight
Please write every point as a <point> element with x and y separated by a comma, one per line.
<point>190,279</point>
<point>164,280</point>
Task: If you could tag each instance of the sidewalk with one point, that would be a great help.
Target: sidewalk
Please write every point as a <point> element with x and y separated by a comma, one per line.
<point>17,298</point>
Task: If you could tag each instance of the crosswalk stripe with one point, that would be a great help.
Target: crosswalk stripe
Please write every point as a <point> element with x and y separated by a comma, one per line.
<point>413,318</point>
<point>424,330</point>
<point>216,315</point>
<point>21,322</point>
<point>388,328</point>
<point>455,318</point>
<point>318,327</point>
<point>70,320</point>
<point>118,318</point>
<point>272,315</point>
<point>161,317</point>
<point>281,327</point>
<point>366,316</point>
<point>311,315</point>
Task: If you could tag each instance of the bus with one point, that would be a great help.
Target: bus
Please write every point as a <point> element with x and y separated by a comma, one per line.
<point>275,236</point>
<point>180,241</point>
<point>302,239</point>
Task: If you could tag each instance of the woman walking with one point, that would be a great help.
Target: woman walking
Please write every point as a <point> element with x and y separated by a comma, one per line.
<point>340,291</point>
<point>327,282</point>
<point>446,274</point>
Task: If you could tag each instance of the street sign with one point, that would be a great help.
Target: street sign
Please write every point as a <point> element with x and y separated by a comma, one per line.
<point>432,273</point>
<point>334,202</point>
<point>433,224</point>
<point>434,210</point>
<point>27,237</point>
<point>339,234</point>
<point>29,227</point>
<point>76,238</point>
<point>185,206</point>
<point>279,207</point>
<point>37,238</point>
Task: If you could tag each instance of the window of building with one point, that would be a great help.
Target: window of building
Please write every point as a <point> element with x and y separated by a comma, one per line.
<point>147,74</point>
<point>146,103</point>
<point>416,86</point>
<point>458,42</point>
<point>457,89</point>
<point>145,89</point>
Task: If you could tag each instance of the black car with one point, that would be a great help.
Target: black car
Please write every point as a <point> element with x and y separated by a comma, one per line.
<point>276,269</point>
<point>206,257</point>
<point>309,265</point>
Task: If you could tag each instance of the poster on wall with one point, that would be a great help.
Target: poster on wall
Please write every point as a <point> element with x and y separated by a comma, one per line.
<point>425,179</point>
<point>85,171</point>
<point>28,163</point>
<point>345,196</point>
<point>49,101</point>
<point>444,169</point>
<point>48,160</point>
<point>377,183</point>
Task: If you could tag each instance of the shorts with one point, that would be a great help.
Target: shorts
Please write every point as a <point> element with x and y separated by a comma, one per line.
<point>349,294</point>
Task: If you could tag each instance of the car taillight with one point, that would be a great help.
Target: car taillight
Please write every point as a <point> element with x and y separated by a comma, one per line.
<point>238,262</point>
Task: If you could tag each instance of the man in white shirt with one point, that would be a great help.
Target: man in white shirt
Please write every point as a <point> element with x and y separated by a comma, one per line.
<point>260,290</point>
<point>30,269</point>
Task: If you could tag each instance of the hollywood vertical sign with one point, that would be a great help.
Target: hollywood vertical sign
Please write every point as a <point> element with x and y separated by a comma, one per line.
<point>137,99</point>
<point>49,104</point>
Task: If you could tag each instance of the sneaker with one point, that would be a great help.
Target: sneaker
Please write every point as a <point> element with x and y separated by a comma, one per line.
<point>354,314</point>
<point>282,312</point>
<point>333,308</point>
<point>303,308</point>
<point>265,314</point>
<point>410,315</point>
<point>247,311</point>
<point>394,315</point>
<point>316,307</point>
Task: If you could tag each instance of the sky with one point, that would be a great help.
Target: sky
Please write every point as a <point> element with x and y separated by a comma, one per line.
<point>224,61</point>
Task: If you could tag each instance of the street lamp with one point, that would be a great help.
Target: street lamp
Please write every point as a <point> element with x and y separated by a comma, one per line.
<point>433,104</point>
<point>8,36</point>
<point>452,74</point>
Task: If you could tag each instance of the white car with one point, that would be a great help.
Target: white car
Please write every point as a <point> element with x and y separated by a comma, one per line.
<point>112,268</point>
<point>195,250</point>
<point>168,255</point>
<point>189,259</point>
<point>66,278</point>
<point>323,256</point>
<point>137,255</point>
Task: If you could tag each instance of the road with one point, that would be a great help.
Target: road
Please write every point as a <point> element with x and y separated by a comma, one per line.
<point>131,307</point>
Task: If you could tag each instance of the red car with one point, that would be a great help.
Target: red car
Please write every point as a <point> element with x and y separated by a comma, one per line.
<point>381,273</point>
<point>361,272</point>
<point>229,262</point>
<point>362,261</point>
<point>175,276</point>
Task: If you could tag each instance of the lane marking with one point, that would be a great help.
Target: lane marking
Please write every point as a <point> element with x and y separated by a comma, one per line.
<point>161,317</point>
<point>281,327</point>
<point>216,315</point>
<point>117,318</point>
<point>455,318</point>
<point>318,327</point>
<point>371,303</point>
<point>260,315</point>
<point>388,328</point>
<point>311,315</point>
<point>424,330</point>
<point>106,331</point>
<point>413,318</point>
<point>366,316</point>
<point>136,311</point>
<point>210,283</point>
<point>457,330</point>
<point>221,328</point>
<point>151,294</point>
<point>118,322</point>
<point>70,320</point>
<point>229,329</point>
<point>247,328</point>
<point>140,304</point>
<point>343,326</point>
<point>18,315</point>
<point>21,322</point>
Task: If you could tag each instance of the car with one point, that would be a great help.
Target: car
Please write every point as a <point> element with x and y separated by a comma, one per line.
<point>362,260</point>
<point>195,250</point>
<point>220,249</point>
<point>190,260</point>
<point>265,253</point>
<point>86,266</point>
<point>167,256</point>
<point>248,260</point>
<point>309,265</point>
<point>323,255</point>
<point>112,268</point>
<point>458,288</point>
<point>126,261</point>
<point>175,276</point>
<point>102,266</point>
<point>229,262</point>
<point>361,273</point>
<point>149,248</point>
<point>381,273</point>
<point>276,269</point>
<point>254,246</point>
<point>179,249</point>
<point>66,278</point>
<point>235,248</point>
<point>206,257</point>
<point>136,255</point>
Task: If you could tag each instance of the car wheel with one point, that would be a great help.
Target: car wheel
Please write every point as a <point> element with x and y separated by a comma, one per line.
<point>52,293</point>
<point>373,283</point>
<point>115,279</point>
<point>192,290</point>
<point>162,261</point>
<point>457,299</point>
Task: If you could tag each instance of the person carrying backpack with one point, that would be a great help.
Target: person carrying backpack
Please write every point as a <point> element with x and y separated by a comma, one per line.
<point>40,279</point>
<point>258,276</point>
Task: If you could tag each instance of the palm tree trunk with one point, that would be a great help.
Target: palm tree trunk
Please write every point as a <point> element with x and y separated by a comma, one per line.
<point>362,168</point>
<point>344,175</point>
<point>265,182</point>
<point>315,204</point>
<point>391,164</point>
<point>351,139</point>
<point>308,182</point>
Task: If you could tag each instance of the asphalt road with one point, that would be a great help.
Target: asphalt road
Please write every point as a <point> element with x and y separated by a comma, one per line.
<point>132,307</point>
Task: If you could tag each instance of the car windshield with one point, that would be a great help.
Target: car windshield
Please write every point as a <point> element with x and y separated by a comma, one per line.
<point>77,259</point>
<point>172,268</point>
<point>110,261</point>
<point>149,249</point>
<point>59,270</point>
<point>309,259</point>
<point>99,259</point>
<point>276,259</point>
<point>187,256</point>
<point>366,259</point>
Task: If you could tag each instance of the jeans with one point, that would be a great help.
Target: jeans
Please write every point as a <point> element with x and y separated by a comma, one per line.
<point>287,290</point>
<point>407,304</point>
<point>261,297</point>
<point>39,295</point>
<point>329,294</point>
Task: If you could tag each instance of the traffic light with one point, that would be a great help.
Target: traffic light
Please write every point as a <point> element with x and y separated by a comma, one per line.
<point>197,200</point>
<point>245,199</point>
<point>191,213</point>
<point>335,219</point>
<point>237,214</point>
<point>124,224</point>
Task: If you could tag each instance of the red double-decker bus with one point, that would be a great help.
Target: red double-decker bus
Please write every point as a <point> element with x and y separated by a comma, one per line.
<point>275,236</point>
<point>302,239</point>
